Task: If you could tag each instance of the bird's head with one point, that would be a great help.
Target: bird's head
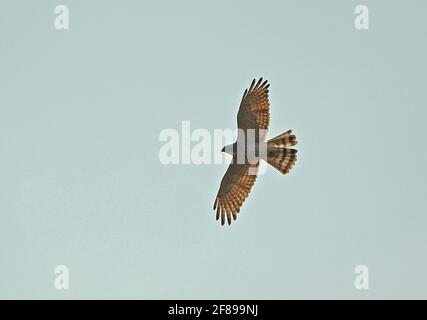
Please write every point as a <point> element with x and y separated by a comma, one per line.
<point>228,149</point>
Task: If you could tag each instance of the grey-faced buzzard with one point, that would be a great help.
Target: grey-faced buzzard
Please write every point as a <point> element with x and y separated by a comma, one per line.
<point>253,120</point>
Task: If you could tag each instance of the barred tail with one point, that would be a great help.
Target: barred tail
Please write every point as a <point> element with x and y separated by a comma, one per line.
<point>279,152</point>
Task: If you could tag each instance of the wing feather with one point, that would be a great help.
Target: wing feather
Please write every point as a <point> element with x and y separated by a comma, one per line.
<point>254,110</point>
<point>235,188</point>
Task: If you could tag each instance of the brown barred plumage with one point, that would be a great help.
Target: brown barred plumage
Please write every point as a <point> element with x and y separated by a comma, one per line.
<point>235,187</point>
<point>254,113</point>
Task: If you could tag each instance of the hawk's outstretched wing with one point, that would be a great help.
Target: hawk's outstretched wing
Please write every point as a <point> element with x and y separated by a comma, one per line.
<point>235,187</point>
<point>254,110</point>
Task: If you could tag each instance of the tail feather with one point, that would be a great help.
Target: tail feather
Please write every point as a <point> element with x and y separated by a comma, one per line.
<point>284,140</point>
<point>280,155</point>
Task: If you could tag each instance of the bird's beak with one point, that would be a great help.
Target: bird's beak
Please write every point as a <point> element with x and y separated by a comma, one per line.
<point>223,149</point>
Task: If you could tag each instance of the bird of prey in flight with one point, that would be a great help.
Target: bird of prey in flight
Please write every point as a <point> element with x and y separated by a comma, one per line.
<point>253,119</point>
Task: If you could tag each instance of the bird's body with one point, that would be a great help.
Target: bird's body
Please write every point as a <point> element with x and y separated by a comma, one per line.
<point>250,147</point>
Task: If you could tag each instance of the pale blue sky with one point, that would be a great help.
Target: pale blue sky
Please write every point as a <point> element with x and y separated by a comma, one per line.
<point>81,183</point>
